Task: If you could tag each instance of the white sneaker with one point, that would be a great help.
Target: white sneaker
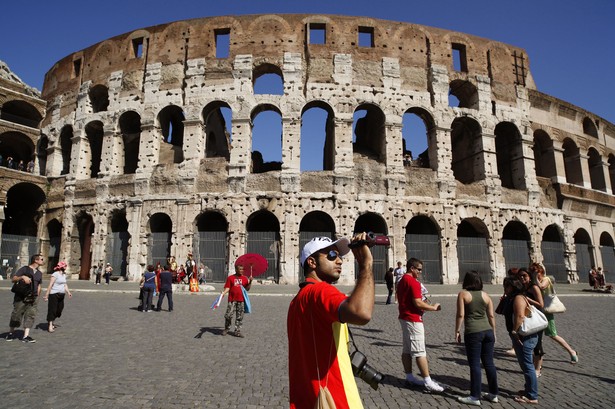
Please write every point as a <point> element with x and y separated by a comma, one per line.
<point>490,397</point>
<point>432,386</point>
<point>469,400</point>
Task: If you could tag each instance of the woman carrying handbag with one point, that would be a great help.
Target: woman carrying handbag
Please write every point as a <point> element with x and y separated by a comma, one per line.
<point>546,287</point>
<point>514,313</point>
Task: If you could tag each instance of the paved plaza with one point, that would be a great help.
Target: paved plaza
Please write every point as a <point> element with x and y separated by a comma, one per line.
<point>106,354</point>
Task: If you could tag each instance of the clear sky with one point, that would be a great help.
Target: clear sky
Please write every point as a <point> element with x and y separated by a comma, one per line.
<point>570,43</point>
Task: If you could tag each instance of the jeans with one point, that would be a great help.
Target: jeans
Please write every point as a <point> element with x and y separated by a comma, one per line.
<point>169,294</point>
<point>479,347</point>
<point>525,356</point>
<point>390,297</point>
<point>146,302</point>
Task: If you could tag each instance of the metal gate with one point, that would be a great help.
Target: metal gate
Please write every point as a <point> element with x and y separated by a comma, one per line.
<point>608,259</point>
<point>117,252</point>
<point>426,247</point>
<point>16,250</point>
<point>473,254</point>
<point>516,253</point>
<point>554,262</point>
<point>585,261</point>
<point>211,250</point>
<point>159,245</point>
<point>380,266</point>
<point>267,244</point>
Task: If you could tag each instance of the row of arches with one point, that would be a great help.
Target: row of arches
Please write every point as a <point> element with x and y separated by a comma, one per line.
<point>474,244</point>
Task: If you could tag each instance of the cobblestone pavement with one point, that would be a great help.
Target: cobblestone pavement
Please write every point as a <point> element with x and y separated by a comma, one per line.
<point>106,354</point>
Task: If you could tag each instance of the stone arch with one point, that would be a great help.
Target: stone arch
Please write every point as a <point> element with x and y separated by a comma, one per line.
<point>42,146</point>
<point>516,243</point>
<point>118,242</point>
<point>99,98</point>
<point>375,223</point>
<point>217,116</point>
<point>544,155</point>
<point>263,231</point>
<point>83,227</point>
<point>268,79</point>
<point>317,142</point>
<point>423,242</point>
<point>210,246</point>
<point>468,162</point>
<point>465,93</point>
<point>554,252</point>
<point>171,121</point>
<point>271,120</point>
<point>54,235</point>
<point>607,251</point>
<point>369,136</point>
<point>509,154</point>
<point>473,250</point>
<point>66,145</point>
<point>316,223</point>
<point>94,133</point>
<point>589,127</point>
<point>572,162</point>
<point>426,155</point>
<point>596,170</point>
<point>18,147</point>
<point>22,209</point>
<point>584,250</point>
<point>160,238</point>
<point>21,112</point>
<point>130,128</point>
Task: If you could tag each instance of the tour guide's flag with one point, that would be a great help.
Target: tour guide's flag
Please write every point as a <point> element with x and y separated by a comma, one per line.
<point>216,302</point>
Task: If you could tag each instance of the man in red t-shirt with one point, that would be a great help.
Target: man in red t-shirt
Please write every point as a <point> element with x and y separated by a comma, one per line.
<point>317,323</point>
<point>236,301</point>
<point>411,308</point>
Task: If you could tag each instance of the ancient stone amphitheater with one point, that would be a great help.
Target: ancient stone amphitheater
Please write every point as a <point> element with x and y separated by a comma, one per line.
<point>145,147</point>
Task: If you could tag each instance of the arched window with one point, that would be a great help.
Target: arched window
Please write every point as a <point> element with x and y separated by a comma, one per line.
<point>317,137</point>
<point>94,135</point>
<point>463,94</point>
<point>130,127</point>
<point>509,153</point>
<point>596,170</point>
<point>171,120</point>
<point>468,162</point>
<point>217,118</point>
<point>417,131</point>
<point>266,139</point>
<point>268,79</point>
<point>369,136</point>
<point>99,98</point>
<point>572,163</point>
<point>544,157</point>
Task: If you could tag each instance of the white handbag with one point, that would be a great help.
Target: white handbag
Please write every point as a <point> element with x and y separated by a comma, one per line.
<point>534,322</point>
<point>553,304</point>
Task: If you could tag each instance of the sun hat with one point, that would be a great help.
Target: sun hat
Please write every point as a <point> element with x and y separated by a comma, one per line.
<point>319,243</point>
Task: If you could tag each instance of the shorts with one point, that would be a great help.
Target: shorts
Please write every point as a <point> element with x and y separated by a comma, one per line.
<point>25,311</point>
<point>413,335</point>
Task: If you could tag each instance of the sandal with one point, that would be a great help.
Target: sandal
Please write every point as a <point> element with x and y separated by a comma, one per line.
<point>523,399</point>
<point>574,358</point>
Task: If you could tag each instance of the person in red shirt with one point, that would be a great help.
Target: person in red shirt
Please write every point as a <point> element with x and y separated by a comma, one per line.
<point>318,336</point>
<point>411,308</point>
<point>236,302</point>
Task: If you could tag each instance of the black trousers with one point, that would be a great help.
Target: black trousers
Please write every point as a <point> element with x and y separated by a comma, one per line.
<point>55,306</point>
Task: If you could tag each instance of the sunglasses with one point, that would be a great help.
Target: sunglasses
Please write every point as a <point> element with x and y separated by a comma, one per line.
<point>332,255</point>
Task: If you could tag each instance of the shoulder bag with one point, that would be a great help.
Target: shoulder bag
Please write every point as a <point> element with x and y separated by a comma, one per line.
<point>534,322</point>
<point>553,305</point>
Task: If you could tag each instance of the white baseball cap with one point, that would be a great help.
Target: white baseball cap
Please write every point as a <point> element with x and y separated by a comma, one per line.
<point>319,243</point>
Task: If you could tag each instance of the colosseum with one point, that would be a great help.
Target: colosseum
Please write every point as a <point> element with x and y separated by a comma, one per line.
<point>144,146</point>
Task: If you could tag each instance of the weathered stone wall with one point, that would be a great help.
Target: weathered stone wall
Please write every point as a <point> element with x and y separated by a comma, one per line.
<point>408,69</point>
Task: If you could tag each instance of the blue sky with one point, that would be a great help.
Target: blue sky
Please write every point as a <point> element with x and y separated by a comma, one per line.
<point>571,44</point>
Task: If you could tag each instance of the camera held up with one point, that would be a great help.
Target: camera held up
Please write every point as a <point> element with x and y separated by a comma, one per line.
<point>372,240</point>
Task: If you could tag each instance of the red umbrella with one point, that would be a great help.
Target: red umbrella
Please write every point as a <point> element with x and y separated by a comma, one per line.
<point>253,264</point>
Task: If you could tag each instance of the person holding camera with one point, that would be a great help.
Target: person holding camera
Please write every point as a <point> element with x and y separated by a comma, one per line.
<point>411,309</point>
<point>319,363</point>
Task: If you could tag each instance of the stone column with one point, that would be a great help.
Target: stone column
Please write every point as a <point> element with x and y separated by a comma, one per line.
<point>80,156</point>
<point>194,140</point>
<point>440,158</point>
<point>587,184</point>
<point>290,179</point>
<point>112,157</point>
<point>149,147</point>
<point>560,165</point>
<point>136,260</point>
<point>240,158</point>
